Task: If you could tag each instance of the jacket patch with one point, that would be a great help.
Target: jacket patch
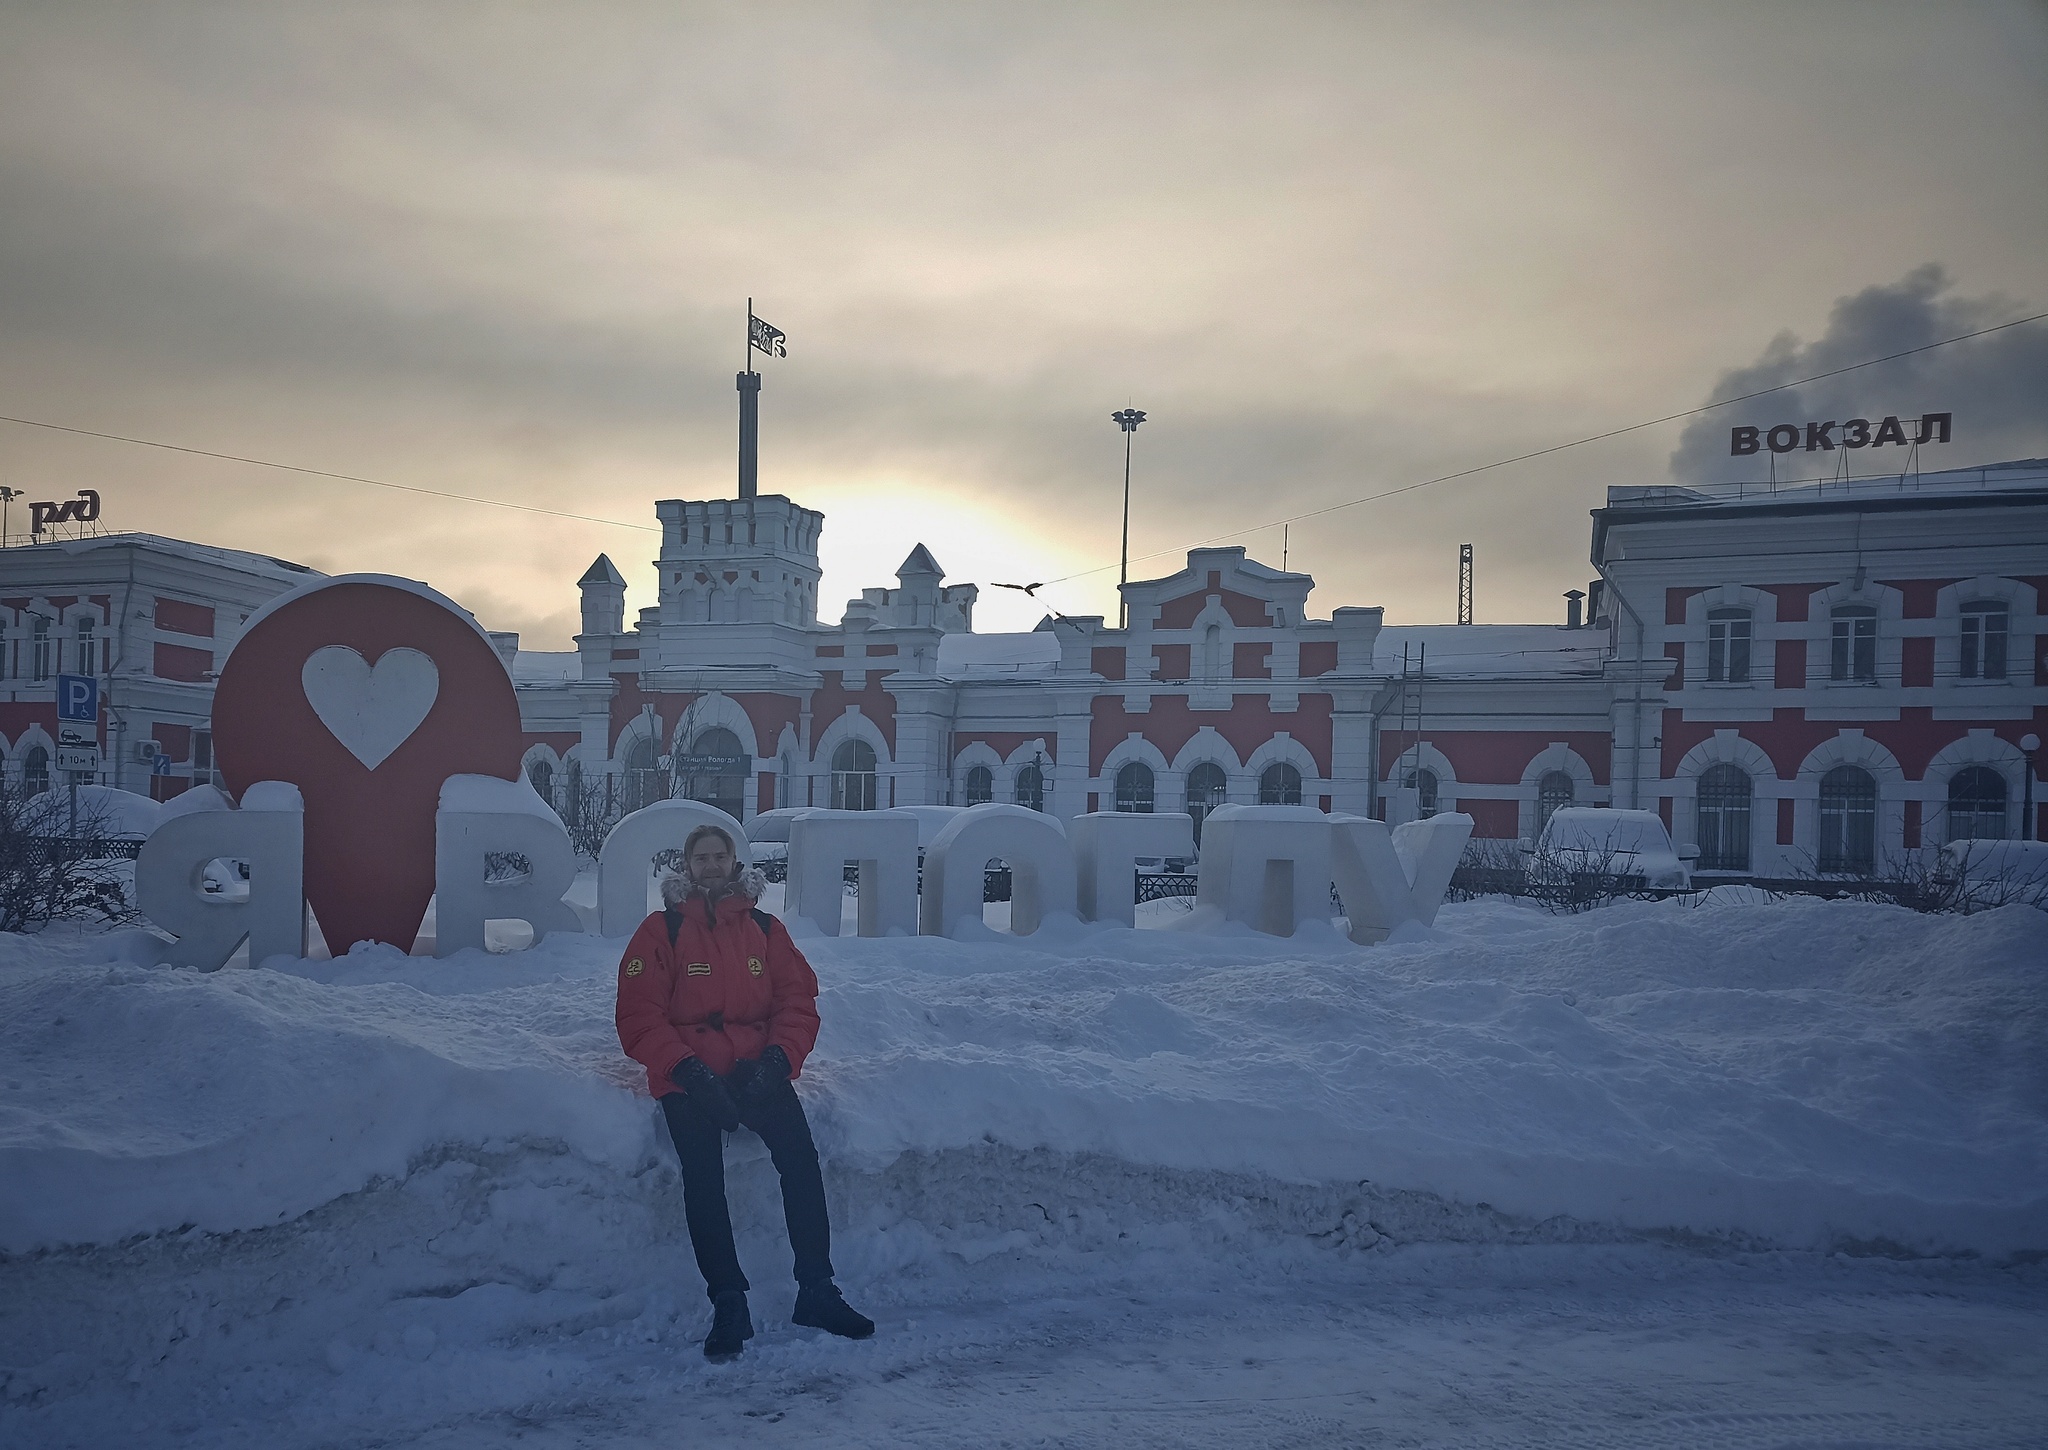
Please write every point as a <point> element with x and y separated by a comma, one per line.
<point>699,969</point>
<point>754,966</point>
<point>635,967</point>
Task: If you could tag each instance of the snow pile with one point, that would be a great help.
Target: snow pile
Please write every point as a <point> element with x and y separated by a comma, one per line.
<point>1804,1073</point>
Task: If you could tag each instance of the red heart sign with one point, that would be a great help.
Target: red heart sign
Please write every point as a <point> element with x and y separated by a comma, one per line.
<point>366,693</point>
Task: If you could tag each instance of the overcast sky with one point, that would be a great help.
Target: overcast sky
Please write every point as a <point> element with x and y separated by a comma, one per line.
<point>1330,249</point>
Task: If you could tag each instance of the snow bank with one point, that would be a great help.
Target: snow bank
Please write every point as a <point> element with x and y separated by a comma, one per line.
<point>1804,1073</point>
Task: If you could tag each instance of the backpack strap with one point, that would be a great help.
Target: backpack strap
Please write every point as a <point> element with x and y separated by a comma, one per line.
<point>673,920</point>
<point>763,920</point>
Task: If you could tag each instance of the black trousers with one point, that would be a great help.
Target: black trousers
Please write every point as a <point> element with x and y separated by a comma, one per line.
<point>700,1147</point>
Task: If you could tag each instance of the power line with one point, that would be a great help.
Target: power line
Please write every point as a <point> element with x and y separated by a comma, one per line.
<point>1082,574</point>
<point>527,508</point>
<point>1561,447</point>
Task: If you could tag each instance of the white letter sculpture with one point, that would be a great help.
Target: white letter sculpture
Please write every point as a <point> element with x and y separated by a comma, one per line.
<point>1041,869</point>
<point>1266,866</point>
<point>1387,878</point>
<point>481,815</point>
<point>1107,845</point>
<point>268,832</point>
<point>884,846</point>
<point>625,864</point>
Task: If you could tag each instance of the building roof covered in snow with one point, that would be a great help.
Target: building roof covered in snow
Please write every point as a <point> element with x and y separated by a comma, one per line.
<point>995,655</point>
<point>1490,651</point>
<point>264,564</point>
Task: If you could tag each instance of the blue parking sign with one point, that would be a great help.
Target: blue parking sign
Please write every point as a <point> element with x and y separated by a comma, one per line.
<point>78,698</point>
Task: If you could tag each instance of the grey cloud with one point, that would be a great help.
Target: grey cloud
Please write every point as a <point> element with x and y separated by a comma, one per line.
<point>1996,386</point>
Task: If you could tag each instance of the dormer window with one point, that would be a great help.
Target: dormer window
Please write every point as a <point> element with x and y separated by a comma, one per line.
<point>1984,636</point>
<point>1854,655</point>
<point>1728,647</point>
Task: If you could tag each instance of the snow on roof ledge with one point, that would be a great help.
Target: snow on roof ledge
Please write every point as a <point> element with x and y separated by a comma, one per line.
<point>1034,653</point>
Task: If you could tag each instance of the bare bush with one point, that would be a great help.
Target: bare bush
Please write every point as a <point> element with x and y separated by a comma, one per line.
<point>54,867</point>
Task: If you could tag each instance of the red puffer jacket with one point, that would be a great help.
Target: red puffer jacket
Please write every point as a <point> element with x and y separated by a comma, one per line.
<point>720,992</point>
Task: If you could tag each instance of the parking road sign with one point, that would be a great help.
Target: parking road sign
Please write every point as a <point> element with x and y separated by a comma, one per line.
<point>78,698</point>
<point>78,713</point>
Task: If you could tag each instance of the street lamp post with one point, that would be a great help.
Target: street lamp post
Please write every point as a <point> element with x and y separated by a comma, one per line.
<point>2028,745</point>
<point>1127,419</point>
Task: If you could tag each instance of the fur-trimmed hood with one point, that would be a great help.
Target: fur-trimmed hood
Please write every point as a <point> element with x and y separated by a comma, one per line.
<point>676,887</point>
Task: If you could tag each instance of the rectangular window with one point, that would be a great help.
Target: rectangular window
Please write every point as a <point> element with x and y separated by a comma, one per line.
<point>1854,657</point>
<point>41,650</point>
<point>88,652</point>
<point>1728,647</point>
<point>1984,639</point>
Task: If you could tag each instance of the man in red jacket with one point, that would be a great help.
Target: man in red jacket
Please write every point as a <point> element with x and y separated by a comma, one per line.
<point>720,1007</point>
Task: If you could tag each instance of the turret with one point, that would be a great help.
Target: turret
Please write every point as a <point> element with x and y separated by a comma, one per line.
<point>604,598</point>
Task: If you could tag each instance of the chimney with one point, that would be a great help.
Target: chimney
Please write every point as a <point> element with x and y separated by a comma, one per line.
<point>1572,617</point>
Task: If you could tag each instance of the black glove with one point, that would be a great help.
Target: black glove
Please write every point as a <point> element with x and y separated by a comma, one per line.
<point>753,1082</point>
<point>708,1091</point>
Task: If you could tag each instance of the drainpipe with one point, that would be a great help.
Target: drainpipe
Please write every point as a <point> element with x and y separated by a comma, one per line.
<point>1635,748</point>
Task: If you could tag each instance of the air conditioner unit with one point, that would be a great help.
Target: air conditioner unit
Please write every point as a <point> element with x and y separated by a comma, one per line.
<point>146,750</point>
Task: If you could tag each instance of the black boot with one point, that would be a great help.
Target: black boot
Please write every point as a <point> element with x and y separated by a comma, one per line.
<point>820,1306</point>
<point>731,1327</point>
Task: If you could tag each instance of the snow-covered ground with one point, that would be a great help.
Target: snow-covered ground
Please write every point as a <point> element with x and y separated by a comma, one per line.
<point>1733,1173</point>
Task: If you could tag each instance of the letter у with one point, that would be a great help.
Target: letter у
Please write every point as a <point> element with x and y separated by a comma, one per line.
<point>1856,433</point>
<point>1791,437</point>
<point>1889,431</point>
<point>1929,423</point>
<point>1817,436</point>
<point>1742,440</point>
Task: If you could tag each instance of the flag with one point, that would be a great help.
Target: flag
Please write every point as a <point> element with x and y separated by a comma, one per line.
<point>765,338</point>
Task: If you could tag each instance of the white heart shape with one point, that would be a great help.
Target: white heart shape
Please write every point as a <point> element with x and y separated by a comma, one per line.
<point>370,711</point>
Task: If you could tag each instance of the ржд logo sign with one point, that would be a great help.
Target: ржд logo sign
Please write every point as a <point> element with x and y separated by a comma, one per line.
<point>81,510</point>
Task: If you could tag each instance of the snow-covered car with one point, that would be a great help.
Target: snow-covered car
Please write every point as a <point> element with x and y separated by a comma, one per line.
<point>1625,843</point>
<point>1997,873</point>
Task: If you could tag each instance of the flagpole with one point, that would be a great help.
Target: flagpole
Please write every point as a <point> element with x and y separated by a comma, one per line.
<point>749,383</point>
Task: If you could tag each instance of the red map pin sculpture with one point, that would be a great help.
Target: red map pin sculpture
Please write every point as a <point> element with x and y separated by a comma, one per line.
<point>366,692</point>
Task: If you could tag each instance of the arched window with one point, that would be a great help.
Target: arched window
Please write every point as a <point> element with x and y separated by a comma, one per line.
<point>1728,646</point>
<point>1723,801</point>
<point>1424,784</point>
<point>35,771</point>
<point>541,776</point>
<point>1212,652</point>
<point>715,771</point>
<point>1976,804</point>
<point>1134,787</point>
<point>853,776</point>
<point>980,786</point>
<point>1031,788</point>
<point>1854,644</point>
<point>1984,623</point>
<point>1206,790</point>
<point>1554,791</point>
<point>1848,821</point>
<point>1280,785</point>
<point>645,782</point>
